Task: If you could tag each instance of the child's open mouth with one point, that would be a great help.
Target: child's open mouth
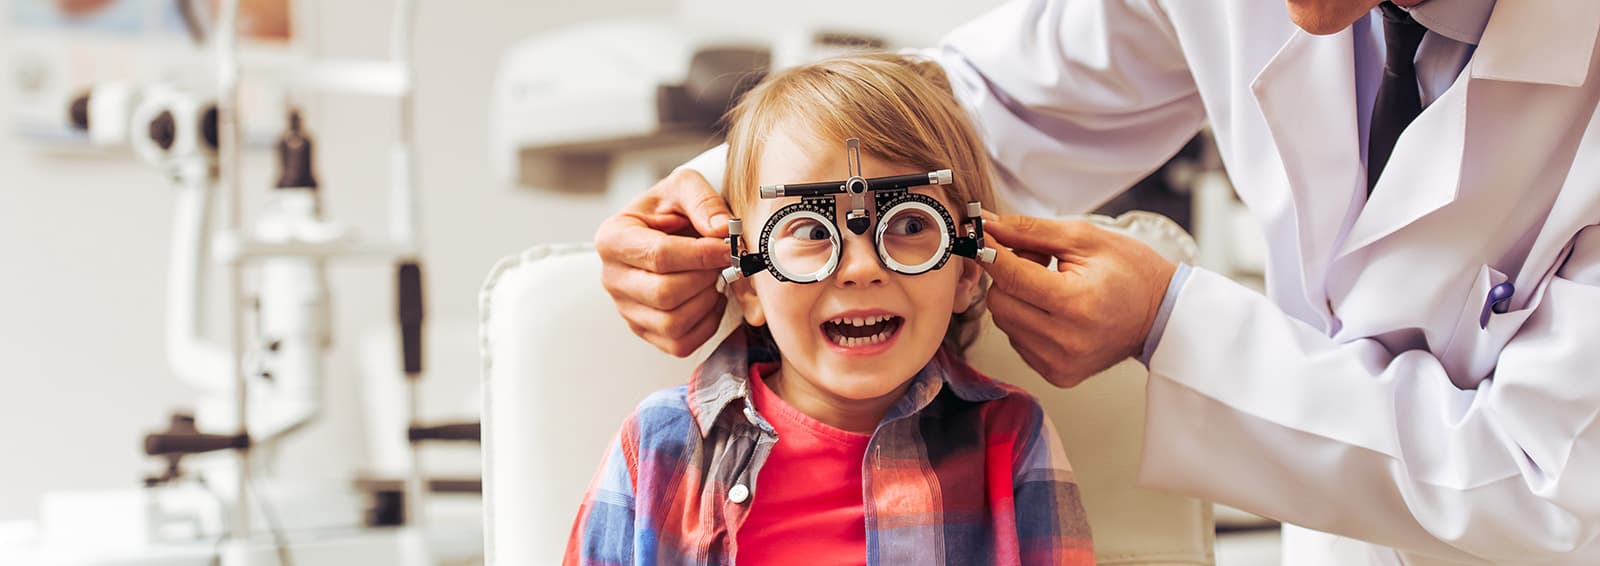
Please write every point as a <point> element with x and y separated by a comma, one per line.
<point>861,332</point>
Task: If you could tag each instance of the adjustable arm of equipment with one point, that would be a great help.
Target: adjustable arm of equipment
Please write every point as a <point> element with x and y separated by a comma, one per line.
<point>162,444</point>
<point>181,438</point>
<point>467,432</point>
<point>940,177</point>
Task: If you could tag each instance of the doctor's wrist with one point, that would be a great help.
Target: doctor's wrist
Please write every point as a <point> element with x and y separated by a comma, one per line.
<point>1158,324</point>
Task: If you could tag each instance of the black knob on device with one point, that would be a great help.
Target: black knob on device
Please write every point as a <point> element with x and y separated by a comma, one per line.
<point>164,130</point>
<point>410,313</point>
<point>78,112</point>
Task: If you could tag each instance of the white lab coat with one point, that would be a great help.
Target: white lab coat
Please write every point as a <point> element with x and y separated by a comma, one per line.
<point>1360,396</point>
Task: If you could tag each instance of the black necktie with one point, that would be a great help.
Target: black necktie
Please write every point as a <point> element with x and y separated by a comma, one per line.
<point>1398,101</point>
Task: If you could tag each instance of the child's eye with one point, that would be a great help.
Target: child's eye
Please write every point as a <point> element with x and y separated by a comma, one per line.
<point>908,225</point>
<point>809,230</point>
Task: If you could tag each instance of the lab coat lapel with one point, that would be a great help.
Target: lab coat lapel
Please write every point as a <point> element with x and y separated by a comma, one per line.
<point>1535,42</point>
<point>1423,174</point>
<point>1307,96</point>
<point>1541,43</point>
<point>1547,42</point>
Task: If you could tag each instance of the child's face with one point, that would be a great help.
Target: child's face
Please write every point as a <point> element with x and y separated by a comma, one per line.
<point>802,317</point>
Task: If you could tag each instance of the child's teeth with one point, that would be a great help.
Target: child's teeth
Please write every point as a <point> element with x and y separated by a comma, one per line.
<point>838,337</point>
<point>862,321</point>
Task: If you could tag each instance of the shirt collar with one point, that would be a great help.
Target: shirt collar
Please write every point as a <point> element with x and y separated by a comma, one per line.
<point>725,377</point>
<point>1460,20</point>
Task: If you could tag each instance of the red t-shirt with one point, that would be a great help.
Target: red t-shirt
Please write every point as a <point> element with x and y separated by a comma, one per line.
<point>808,506</point>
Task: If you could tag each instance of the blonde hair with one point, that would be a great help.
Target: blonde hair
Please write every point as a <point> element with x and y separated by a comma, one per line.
<point>900,107</point>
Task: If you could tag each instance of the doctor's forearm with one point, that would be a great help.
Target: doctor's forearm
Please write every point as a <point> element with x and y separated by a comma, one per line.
<point>1253,408</point>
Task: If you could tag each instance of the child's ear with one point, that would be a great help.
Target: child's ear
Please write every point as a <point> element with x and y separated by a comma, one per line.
<point>966,286</point>
<point>744,291</point>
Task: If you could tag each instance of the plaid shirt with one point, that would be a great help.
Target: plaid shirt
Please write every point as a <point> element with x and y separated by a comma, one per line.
<point>962,470</point>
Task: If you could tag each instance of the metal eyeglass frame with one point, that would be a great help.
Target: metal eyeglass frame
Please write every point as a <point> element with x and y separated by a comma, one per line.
<point>890,194</point>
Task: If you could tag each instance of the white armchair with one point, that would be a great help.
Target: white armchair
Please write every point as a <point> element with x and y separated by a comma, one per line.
<point>561,370</point>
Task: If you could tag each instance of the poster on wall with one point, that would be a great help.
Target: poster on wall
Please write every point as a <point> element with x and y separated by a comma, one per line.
<point>62,50</point>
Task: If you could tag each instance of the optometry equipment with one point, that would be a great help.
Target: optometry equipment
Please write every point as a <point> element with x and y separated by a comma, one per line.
<point>915,234</point>
<point>218,500</point>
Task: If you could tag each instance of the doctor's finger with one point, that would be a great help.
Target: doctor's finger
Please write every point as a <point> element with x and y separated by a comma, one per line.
<point>1053,346</point>
<point>629,240</point>
<point>1043,235</point>
<point>1036,357</point>
<point>680,323</point>
<point>659,291</point>
<point>683,343</point>
<point>1008,307</point>
<point>686,192</point>
<point>671,223</point>
<point>1021,277</point>
<point>1036,257</point>
<point>1031,332</point>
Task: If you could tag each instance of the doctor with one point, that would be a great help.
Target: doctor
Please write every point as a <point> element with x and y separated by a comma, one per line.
<point>1423,373</point>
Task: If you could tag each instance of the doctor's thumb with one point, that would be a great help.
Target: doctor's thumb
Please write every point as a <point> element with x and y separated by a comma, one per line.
<point>688,193</point>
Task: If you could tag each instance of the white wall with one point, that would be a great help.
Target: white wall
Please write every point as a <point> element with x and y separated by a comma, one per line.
<point>902,21</point>
<point>83,243</point>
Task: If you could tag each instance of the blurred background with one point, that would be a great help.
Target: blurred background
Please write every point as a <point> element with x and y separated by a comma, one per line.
<point>529,122</point>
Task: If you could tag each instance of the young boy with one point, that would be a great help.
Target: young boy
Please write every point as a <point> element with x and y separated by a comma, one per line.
<point>840,425</point>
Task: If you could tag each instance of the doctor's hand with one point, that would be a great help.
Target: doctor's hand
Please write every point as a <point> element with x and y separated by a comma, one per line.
<point>662,255</point>
<point>1091,312</point>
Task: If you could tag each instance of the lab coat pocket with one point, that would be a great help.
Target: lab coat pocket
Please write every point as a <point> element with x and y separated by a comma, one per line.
<point>1480,332</point>
<point>1582,262</point>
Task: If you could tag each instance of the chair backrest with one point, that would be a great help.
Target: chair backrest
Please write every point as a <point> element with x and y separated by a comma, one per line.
<point>561,371</point>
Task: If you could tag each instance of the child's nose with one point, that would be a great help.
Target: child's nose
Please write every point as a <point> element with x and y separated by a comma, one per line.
<point>859,264</point>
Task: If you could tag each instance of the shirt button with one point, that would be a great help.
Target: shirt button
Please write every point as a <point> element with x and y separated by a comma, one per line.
<point>739,493</point>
